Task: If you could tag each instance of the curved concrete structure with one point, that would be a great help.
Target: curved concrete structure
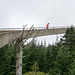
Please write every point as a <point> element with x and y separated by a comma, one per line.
<point>9,36</point>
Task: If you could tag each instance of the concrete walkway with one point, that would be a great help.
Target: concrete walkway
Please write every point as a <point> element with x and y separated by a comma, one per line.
<point>8,36</point>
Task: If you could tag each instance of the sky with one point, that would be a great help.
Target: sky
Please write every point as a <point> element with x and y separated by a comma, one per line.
<point>16,13</point>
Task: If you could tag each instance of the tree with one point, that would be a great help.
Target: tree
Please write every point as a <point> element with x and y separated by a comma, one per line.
<point>8,59</point>
<point>42,61</point>
<point>48,61</point>
<point>69,39</point>
<point>35,67</point>
<point>63,61</point>
<point>72,68</point>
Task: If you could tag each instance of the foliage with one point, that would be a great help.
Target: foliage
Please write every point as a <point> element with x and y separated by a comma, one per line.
<point>37,73</point>
<point>7,60</point>
<point>35,67</point>
<point>56,59</point>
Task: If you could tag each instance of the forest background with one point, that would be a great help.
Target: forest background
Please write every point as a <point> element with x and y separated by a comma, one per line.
<point>58,59</point>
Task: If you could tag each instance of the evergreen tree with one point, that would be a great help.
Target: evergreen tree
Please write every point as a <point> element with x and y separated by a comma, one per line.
<point>42,62</point>
<point>48,61</point>
<point>8,60</point>
<point>72,68</point>
<point>69,39</point>
<point>63,62</point>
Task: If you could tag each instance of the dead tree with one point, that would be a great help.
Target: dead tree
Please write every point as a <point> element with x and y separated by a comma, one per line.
<point>20,42</point>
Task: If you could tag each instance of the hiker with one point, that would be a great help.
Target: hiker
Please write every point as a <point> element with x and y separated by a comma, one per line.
<point>47,26</point>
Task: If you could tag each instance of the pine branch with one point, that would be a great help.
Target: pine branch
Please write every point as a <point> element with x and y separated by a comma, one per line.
<point>8,64</point>
<point>28,54</point>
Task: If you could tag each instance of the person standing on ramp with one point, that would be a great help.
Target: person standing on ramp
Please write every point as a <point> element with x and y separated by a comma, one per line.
<point>47,26</point>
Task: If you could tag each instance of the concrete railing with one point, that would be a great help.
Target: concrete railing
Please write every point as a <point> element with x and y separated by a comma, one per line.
<point>35,28</point>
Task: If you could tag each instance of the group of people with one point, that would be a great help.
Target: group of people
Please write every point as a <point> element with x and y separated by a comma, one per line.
<point>47,26</point>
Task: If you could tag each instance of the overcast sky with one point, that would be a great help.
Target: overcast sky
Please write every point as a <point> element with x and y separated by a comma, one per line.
<point>16,13</point>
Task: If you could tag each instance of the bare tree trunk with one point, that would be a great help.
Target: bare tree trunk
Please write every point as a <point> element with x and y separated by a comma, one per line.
<point>19,59</point>
<point>20,62</point>
<point>17,62</point>
<point>19,54</point>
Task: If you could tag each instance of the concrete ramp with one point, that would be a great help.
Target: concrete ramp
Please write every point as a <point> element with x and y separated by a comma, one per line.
<point>7,37</point>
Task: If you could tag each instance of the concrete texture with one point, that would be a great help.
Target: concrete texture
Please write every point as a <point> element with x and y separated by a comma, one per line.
<point>10,36</point>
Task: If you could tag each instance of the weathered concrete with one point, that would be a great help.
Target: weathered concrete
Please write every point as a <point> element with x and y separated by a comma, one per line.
<point>8,37</point>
